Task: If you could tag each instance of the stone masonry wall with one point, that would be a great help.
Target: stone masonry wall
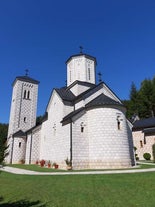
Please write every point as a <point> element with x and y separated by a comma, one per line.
<point>23,110</point>
<point>33,146</point>
<point>141,145</point>
<point>14,112</point>
<point>108,145</point>
<point>100,144</point>
<point>22,116</point>
<point>80,142</point>
<point>29,107</point>
<point>82,69</point>
<point>19,147</point>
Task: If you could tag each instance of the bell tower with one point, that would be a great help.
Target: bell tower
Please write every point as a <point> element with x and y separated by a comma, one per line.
<point>22,113</point>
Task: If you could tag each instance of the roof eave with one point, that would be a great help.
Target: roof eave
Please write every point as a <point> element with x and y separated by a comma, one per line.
<point>82,54</point>
<point>23,78</point>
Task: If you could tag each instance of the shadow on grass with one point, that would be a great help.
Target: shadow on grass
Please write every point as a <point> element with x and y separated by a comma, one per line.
<point>21,203</point>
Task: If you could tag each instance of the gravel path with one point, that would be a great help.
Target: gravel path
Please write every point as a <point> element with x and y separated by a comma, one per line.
<point>29,172</point>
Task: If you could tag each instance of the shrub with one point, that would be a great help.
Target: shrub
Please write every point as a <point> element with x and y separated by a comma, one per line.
<point>49,164</point>
<point>68,162</point>
<point>147,156</point>
<point>136,155</point>
<point>22,161</point>
<point>135,148</point>
<point>42,163</point>
<point>153,152</point>
<point>55,165</point>
<point>37,162</point>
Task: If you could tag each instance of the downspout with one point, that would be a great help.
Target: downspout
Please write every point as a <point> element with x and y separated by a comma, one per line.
<point>30,149</point>
<point>71,134</point>
<point>12,149</point>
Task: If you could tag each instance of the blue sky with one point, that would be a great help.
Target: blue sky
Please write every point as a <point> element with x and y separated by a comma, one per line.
<point>42,34</point>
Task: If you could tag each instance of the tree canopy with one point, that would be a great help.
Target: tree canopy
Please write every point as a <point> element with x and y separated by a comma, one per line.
<point>142,101</point>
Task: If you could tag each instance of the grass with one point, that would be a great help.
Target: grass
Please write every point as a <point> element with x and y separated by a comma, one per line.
<point>36,168</point>
<point>146,161</point>
<point>117,190</point>
<point>145,166</point>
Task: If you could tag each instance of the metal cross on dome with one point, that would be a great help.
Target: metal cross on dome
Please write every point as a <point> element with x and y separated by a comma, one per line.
<point>81,48</point>
<point>100,76</point>
<point>26,72</point>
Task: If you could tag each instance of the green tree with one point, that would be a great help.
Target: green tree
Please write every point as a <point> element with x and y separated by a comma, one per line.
<point>132,105</point>
<point>153,95</point>
<point>133,92</point>
<point>134,100</point>
<point>146,99</point>
<point>129,112</point>
<point>142,101</point>
<point>3,147</point>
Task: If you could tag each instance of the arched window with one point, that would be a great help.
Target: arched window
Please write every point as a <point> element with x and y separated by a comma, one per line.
<point>141,143</point>
<point>20,144</point>
<point>118,123</point>
<point>82,127</point>
<point>88,73</point>
<point>28,95</point>
<point>25,94</point>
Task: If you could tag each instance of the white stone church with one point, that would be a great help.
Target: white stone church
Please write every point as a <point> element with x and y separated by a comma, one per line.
<point>84,122</point>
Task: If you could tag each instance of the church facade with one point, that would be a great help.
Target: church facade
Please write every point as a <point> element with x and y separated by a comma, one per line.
<point>84,122</point>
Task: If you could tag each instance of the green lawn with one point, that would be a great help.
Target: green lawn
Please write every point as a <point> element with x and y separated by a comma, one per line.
<point>119,190</point>
<point>36,168</point>
<point>45,169</point>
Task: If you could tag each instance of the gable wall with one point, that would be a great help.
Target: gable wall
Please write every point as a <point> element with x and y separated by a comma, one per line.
<point>78,89</point>
<point>109,93</point>
<point>90,97</point>
<point>67,109</point>
<point>55,139</point>
<point>82,103</point>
